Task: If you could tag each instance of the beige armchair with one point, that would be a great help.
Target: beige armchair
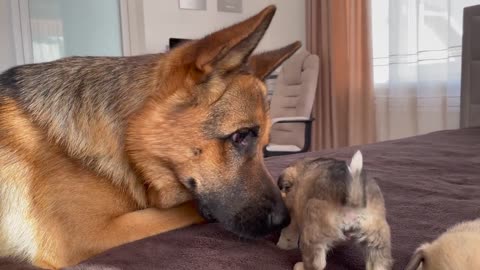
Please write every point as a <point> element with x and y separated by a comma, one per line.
<point>291,105</point>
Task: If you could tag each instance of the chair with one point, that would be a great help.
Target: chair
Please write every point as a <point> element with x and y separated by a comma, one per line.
<point>291,105</point>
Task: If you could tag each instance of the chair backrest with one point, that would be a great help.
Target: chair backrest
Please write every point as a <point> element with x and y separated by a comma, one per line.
<point>293,97</point>
<point>470,90</point>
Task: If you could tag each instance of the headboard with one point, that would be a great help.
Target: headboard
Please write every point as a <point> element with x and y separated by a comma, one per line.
<point>470,89</point>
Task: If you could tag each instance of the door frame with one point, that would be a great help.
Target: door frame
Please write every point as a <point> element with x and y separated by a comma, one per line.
<point>131,24</point>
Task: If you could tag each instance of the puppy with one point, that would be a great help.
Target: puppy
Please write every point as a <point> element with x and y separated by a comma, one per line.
<point>331,202</point>
<point>457,248</point>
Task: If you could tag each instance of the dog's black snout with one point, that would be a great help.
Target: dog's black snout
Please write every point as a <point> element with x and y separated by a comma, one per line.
<point>279,217</point>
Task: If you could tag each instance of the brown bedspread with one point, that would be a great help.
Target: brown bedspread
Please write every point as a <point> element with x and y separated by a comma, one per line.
<point>429,182</point>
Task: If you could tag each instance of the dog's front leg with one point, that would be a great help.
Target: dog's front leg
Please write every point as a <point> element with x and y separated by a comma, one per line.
<point>106,233</point>
<point>164,190</point>
<point>147,222</point>
<point>167,194</point>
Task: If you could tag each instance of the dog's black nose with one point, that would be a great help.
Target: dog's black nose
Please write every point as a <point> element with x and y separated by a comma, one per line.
<point>279,217</point>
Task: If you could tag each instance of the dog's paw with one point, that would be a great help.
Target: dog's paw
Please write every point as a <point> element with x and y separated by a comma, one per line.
<point>168,195</point>
<point>298,266</point>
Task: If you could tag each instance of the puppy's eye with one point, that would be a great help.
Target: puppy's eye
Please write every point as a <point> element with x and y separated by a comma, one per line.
<point>241,137</point>
<point>287,188</point>
<point>283,184</point>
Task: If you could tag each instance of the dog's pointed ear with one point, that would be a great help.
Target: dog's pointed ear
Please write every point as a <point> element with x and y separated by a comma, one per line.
<point>265,63</point>
<point>356,164</point>
<point>229,48</point>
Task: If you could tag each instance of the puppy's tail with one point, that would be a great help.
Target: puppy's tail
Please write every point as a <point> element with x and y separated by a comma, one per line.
<point>356,189</point>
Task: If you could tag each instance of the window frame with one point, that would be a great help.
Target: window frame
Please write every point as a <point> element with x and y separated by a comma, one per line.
<point>131,24</point>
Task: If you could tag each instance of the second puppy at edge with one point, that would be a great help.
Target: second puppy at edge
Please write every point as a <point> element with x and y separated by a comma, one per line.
<point>331,201</point>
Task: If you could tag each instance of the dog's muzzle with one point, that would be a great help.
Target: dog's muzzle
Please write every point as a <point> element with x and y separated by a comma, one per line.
<point>279,217</point>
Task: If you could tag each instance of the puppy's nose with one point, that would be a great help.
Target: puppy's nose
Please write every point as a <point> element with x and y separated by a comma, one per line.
<point>279,217</point>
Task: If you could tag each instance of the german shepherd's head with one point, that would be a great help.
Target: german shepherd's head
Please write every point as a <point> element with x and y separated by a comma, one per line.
<point>207,124</point>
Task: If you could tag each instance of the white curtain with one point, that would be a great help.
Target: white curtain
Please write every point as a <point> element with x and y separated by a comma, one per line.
<point>417,65</point>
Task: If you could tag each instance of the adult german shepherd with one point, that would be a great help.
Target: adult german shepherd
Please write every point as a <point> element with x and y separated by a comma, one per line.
<point>96,152</point>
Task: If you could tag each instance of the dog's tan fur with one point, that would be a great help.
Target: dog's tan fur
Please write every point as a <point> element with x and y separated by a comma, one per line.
<point>457,248</point>
<point>96,152</point>
<point>331,202</point>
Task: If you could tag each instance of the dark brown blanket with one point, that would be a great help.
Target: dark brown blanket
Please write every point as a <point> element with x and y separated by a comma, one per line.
<point>429,182</point>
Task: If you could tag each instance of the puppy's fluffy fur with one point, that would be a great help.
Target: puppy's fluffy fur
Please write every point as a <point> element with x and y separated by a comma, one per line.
<point>330,202</point>
<point>457,248</point>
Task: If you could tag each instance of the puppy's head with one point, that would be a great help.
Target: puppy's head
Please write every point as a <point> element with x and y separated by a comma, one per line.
<point>208,122</point>
<point>297,184</point>
<point>323,178</point>
<point>312,177</point>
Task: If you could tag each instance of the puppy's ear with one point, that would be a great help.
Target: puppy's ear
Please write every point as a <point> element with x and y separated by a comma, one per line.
<point>356,164</point>
<point>417,259</point>
<point>265,63</point>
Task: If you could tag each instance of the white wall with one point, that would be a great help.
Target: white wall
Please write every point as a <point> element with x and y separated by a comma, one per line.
<point>164,19</point>
<point>7,47</point>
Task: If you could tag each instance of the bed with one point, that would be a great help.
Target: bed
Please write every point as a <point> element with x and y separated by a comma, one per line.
<point>430,182</point>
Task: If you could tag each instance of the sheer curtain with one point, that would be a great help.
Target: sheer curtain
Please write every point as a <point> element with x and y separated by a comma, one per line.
<point>417,65</point>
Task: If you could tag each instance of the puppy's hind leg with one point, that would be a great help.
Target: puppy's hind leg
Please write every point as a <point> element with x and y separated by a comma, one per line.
<point>378,247</point>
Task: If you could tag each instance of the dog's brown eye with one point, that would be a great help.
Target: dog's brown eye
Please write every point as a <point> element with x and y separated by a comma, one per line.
<point>239,137</point>
<point>244,139</point>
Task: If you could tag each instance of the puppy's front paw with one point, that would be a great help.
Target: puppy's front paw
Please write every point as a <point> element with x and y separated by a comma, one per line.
<point>298,266</point>
<point>287,243</point>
